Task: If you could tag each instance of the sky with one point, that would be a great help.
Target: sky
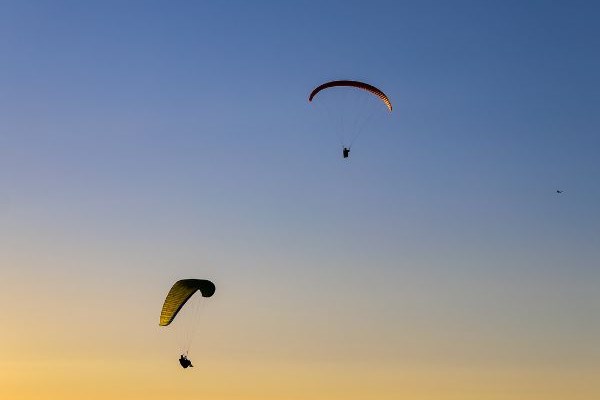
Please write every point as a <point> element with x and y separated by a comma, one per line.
<point>143,142</point>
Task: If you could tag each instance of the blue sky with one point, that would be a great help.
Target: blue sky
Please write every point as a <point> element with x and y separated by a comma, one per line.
<point>495,105</point>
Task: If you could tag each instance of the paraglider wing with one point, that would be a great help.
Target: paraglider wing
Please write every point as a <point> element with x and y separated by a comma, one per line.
<point>180,293</point>
<point>356,84</point>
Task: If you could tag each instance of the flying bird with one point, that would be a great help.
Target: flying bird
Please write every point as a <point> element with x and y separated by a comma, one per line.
<point>559,191</point>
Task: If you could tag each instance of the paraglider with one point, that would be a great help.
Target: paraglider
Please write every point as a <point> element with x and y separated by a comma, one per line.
<point>185,362</point>
<point>180,294</point>
<point>360,85</point>
<point>349,110</point>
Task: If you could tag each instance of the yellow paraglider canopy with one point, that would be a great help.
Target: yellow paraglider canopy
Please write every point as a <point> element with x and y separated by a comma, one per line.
<point>180,293</point>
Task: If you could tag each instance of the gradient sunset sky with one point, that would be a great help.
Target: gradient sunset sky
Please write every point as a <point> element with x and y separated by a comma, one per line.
<point>142,142</point>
